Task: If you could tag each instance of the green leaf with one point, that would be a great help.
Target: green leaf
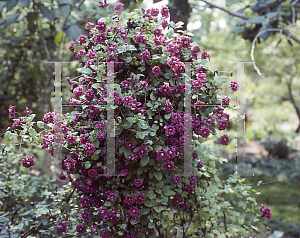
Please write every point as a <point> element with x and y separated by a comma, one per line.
<point>148,203</point>
<point>96,85</point>
<point>158,175</point>
<point>50,14</point>
<point>172,24</point>
<point>168,192</point>
<point>152,97</point>
<point>158,209</point>
<point>155,57</point>
<point>231,2</point>
<point>131,47</point>
<point>272,14</point>
<point>87,165</point>
<point>40,124</point>
<point>25,3</point>
<point>8,135</point>
<point>160,184</point>
<point>65,9</point>
<point>11,19</point>
<point>151,225</point>
<point>257,20</point>
<point>73,32</point>
<point>131,119</point>
<point>95,157</point>
<point>140,135</point>
<point>86,71</point>
<point>152,195</point>
<point>140,171</point>
<point>32,132</point>
<point>10,4</point>
<point>170,215</point>
<point>145,160</point>
<point>58,37</point>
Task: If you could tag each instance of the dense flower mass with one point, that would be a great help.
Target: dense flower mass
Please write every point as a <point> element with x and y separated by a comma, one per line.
<point>150,127</point>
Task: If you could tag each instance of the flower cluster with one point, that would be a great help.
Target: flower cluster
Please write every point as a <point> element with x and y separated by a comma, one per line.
<point>266,212</point>
<point>27,162</point>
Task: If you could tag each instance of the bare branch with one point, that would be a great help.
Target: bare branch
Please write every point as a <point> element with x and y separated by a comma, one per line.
<point>232,13</point>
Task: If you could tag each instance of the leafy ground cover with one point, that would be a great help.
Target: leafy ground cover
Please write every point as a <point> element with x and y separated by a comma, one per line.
<point>283,198</point>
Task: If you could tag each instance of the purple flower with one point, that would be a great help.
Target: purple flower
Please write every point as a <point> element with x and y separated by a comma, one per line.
<point>27,111</point>
<point>145,55</point>
<point>118,6</point>
<point>103,5</point>
<point>177,200</point>
<point>126,100</point>
<point>234,86</point>
<point>85,216</point>
<point>134,211</point>
<point>164,24</point>
<point>169,165</point>
<point>140,38</point>
<point>112,197</point>
<point>200,165</point>
<point>89,95</point>
<point>185,42</point>
<point>133,157</point>
<point>162,155</point>
<point>12,111</point>
<point>101,26</point>
<point>71,139</point>
<point>89,149</point>
<point>80,228</point>
<point>49,117</point>
<point>138,182</point>
<point>205,55</point>
<point>156,70</point>
<point>176,178</point>
<point>129,200</point>
<point>94,228</point>
<point>85,202</point>
<point>61,226</point>
<point>157,32</point>
<point>141,151</point>
<point>72,46</point>
<point>195,156</point>
<point>197,84</point>
<point>224,140</point>
<point>80,54</point>
<point>92,173</point>
<point>225,101</point>
<point>203,131</point>
<point>166,90</point>
<point>154,12</point>
<point>81,39</point>
<point>139,198</point>
<point>169,130</point>
<point>27,162</point>
<point>130,145</point>
<point>164,11</point>
<point>105,234</point>
<point>100,38</point>
<point>143,84</point>
<point>87,25</point>
<point>222,124</point>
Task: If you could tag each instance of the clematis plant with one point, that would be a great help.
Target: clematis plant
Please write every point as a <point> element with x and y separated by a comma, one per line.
<point>147,194</point>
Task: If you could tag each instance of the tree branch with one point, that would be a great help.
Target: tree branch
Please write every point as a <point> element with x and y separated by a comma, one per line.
<point>242,16</point>
<point>232,13</point>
